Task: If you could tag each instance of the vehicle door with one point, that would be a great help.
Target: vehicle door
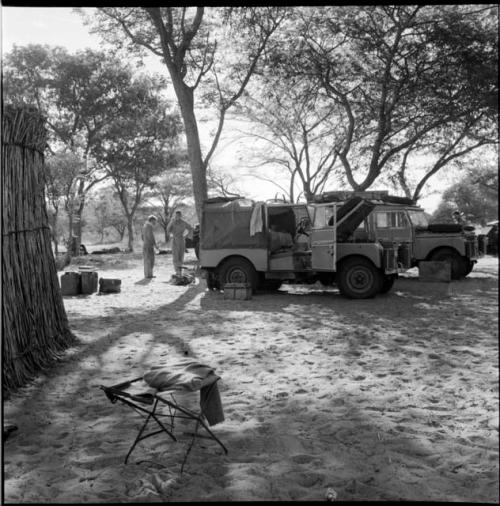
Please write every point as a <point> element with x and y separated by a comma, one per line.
<point>323,238</point>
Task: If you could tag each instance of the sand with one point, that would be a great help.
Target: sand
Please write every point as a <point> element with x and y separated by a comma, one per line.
<point>394,398</point>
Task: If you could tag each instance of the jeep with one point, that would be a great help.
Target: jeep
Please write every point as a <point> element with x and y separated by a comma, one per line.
<point>265,244</point>
<point>397,220</point>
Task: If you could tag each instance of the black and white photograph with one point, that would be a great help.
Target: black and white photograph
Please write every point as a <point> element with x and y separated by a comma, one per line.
<point>250,253</point>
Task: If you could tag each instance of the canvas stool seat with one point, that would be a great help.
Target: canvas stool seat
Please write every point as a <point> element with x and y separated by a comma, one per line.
<point>163,396</point>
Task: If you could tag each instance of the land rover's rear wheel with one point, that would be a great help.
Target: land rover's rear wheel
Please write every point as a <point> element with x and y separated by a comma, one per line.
<point>358,278</point>
<point>238,270</point>
<point>458,263</point>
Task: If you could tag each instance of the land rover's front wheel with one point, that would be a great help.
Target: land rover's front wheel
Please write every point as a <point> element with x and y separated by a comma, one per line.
<point>358,278</point>
<point>238,270</point>
<point>457,263</point>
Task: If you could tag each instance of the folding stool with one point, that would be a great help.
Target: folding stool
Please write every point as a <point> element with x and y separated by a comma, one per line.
<point>156,404</point>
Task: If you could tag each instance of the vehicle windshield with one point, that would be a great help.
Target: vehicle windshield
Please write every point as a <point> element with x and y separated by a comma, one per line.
<point>418,218</point>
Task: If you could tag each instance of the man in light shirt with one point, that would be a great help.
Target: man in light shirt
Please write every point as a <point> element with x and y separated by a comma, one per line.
<point>178,228</point>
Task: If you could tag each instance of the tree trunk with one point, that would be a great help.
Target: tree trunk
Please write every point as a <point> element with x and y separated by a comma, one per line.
<point>54,232</point>
<point>198,168</point>
<point>76,238</point>
<point>70,233</point>
<point>130,229</point>
<point>35,327</point>
<point>184,94</point>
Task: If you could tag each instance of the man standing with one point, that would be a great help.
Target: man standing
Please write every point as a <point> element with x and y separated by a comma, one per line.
<point>179,229</point>
<point>148,246</point>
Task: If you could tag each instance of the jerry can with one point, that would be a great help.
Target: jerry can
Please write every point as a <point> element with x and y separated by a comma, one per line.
<point>71,283</point>
<point>89,281</point>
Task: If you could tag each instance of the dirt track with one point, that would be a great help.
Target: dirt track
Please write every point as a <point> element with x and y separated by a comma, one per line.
<point>394,398</point>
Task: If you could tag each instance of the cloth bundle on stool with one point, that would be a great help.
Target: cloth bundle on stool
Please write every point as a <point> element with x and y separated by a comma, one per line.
<point>165,383</point>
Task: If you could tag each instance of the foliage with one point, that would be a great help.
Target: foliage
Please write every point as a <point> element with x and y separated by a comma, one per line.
<point>187,39</point>
<point>104,212</point>
<point>403,80</point>
<point>62,170</point>
<point>80,94</point>
<point>139,146</point>
<point>470,196</point>
<point>171,189</point>
<point>297,126</point>
<point>115,123</point>
<point>221,184</point>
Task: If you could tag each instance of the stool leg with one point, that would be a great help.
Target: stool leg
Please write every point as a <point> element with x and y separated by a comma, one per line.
<point>190,445</point>
<point>143,428</point>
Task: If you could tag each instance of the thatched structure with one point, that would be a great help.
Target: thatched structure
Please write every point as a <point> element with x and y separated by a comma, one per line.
<point>34,324</point>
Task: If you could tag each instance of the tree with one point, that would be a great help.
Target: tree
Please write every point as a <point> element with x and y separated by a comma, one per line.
<point>171,189</point>
<point>80,94</point>
<point>186,39</point>
<point>61,172</point>
<point>104,211</point>
<point>139,146</point>
<point>296,125</point>
<point>222,184</point>
<point>405,81</point>
<point>478,203</point>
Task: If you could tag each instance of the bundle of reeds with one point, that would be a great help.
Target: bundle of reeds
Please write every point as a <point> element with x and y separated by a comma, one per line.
<point>35,327</point>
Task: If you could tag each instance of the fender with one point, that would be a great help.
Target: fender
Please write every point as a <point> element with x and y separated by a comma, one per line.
<point>373,251</point>
<point>210,259</point>
<point>428,254</point>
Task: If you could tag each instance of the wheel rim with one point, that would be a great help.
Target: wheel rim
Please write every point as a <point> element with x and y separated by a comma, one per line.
<point>237,275</point>
<point>360,279</point>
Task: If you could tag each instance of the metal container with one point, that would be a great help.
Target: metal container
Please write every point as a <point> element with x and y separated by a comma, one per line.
<point>71,283</point>
<point>89,282</point>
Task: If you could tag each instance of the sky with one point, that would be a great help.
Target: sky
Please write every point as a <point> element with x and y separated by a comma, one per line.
<point>62,26</point>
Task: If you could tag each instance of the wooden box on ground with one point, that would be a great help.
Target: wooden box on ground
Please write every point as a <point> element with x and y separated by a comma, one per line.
<point>110,285</point>
<point>71,283</point>
<point>237,291</point>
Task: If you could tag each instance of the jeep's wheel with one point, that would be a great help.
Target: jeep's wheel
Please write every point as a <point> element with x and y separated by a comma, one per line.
<point>387,282</point>
<point>458,263</point>
<point>358,278</point>
<point>238,270</point>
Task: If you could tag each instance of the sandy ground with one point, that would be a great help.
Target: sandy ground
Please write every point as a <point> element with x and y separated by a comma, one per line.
<point>394,398</point>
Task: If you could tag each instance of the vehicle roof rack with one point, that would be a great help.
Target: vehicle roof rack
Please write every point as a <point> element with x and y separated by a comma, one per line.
<point>383,195</point>
<point>217,200</point>
<point>342,195</point>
